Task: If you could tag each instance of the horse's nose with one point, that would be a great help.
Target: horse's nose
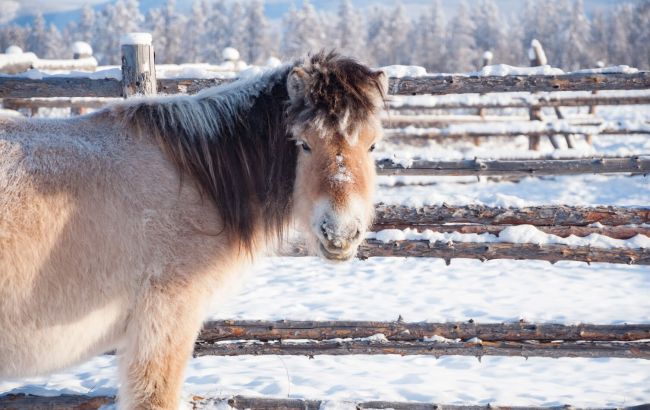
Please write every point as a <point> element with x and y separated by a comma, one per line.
<point>339,237</point>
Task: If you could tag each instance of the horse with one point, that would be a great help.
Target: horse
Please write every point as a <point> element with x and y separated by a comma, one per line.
<point>118,226</point>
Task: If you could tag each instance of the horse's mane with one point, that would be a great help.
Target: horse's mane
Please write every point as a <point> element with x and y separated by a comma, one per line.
<point>235,140</point>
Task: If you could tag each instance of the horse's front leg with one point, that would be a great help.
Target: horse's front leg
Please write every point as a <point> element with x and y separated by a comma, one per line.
<point>160,339</point>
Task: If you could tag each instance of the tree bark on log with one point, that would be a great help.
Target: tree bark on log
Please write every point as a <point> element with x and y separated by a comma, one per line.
<point>627,350</point>
<point>215,331</point>
<point>484,251</point>
<point>436,84</point>
<point>20,87</point>
<point>547,215</point>
<point>64,402</point>
<point>637,164</point>
<point>462,84</point>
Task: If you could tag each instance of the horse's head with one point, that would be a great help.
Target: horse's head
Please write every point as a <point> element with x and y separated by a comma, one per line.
<point>334,110</point>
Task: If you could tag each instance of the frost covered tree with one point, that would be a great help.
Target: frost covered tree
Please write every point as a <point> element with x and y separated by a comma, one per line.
<point>302,31</point>
<point>257,41</point>
<point>37,36</point>
<point>217,32</point>
<point>399,51</point>
<point>462,52</point>
<point>573,47</point>
<point>428,37</point>
<point>379,31</point>
<point>112,23</point>
<point>490,32</point>
<point>195,31</point>
<point>236,29</point>
<point>167,27</point>
<point>83,30</point>
<point>350,31</point>
<point>54,46</point>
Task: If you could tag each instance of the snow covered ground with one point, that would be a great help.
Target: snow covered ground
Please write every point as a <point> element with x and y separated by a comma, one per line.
<point>427,290</point>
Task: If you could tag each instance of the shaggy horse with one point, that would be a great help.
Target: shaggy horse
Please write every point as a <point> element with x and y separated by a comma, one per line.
<point>116,227</point>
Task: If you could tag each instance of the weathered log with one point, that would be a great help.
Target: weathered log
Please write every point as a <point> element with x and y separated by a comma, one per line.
<point>636,164</point>
<point>527,102</point>
<point>19,87</point>
<point>547,215</point>
<point>463,84</point>
<point>616,232</point>
<point>64,402</point>
<point>74,103</point>
<point>442,133</point>
<point>188,85</point>
<point>492,250</point>
<point>261,330</point>
<point>11,87</point>
<point>628,350</point>
<point>29,402</point>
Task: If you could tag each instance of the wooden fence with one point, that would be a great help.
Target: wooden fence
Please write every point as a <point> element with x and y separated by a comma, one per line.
<point>466,338</point>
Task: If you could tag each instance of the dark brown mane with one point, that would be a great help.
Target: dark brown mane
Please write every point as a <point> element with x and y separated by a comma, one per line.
<point>236,139</point>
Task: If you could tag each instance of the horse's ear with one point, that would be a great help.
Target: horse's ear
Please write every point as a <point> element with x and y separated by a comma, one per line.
<point>297,83</point>
<point>382,80</point>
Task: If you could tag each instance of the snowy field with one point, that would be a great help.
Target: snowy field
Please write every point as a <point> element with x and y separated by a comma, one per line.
<point>427,290</point>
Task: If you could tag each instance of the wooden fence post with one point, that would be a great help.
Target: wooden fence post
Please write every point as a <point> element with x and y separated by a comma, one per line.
<point>80,49</point>
<point>138,66</point>
<point>537,58</point>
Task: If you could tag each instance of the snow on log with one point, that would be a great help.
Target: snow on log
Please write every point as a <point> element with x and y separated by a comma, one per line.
<point>484,251</point>
<point>636,164</point>
<point>477,348</point>
<point>547,215</point>
<point>264,330</point>
<point>513,102</point>
<point>534,128</point>
<point>30,402</point>
<point>615,232</point>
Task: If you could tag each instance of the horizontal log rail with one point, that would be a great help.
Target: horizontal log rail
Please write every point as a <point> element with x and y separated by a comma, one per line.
<point>463,84</point>
<point>22,87</point>
<point>636,164</point>
<point>67,402</point>
<point>547,215</point>
<point>443,133</point>
<point>525,102</point>
<point>484,251</point>
<point>266,330</point>
<point>626,350</point>
<point>616,232</point>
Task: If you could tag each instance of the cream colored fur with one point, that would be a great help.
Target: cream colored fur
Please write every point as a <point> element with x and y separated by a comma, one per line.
<point>100,249</point>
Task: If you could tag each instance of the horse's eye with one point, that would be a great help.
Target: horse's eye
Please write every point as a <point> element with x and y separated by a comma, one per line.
<point>304,146</point>
<point>372,148</point>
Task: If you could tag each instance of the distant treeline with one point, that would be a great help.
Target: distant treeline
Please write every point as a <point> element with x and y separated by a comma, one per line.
<point>377,35</point>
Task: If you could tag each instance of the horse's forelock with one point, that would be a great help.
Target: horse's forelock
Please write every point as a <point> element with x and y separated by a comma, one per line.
<point>334,93</point>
